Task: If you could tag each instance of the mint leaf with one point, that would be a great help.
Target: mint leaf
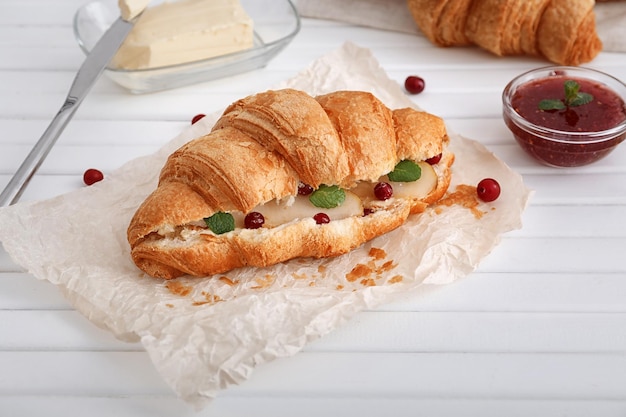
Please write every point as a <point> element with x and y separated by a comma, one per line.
<point>581,98</point>
<point>573,98</point>
<point>551,105</point>
<point>327,196</point>
<point>405,171</point>
<point>220,222</point>
<point>571,90</point>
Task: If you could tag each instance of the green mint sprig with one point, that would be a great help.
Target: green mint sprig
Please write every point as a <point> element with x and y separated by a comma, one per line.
<point>573,98</point>
<point>327,196</point>
<point>220,223</point>
<point>405,171</point>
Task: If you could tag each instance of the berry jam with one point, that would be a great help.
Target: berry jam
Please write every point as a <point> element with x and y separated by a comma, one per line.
<point>571,136</point>
<point>604,112</point>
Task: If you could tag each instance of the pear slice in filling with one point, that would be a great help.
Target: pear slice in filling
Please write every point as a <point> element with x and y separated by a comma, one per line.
<point>279,212</point>
<point>299,207</point>
<point>414,189</point>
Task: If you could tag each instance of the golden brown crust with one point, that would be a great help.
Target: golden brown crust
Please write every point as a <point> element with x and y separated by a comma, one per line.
<point>562,31</point>
<point>566,34</point>
<point>257,152</point>
<point>351,116</point>
<point>207,254</point>
<point>441,21</point>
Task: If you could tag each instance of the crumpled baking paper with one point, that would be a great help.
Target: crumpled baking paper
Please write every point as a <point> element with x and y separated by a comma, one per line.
<point>206,334</point>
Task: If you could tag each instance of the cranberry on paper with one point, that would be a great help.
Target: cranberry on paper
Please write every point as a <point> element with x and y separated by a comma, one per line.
<point>92,176</point>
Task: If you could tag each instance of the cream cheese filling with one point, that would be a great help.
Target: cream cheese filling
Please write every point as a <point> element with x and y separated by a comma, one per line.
<point>294,208</point>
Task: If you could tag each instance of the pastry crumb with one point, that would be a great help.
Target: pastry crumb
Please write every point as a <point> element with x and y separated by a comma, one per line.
<point>464,195</point>
<point>359,271</point>
<point>377,253</point>
<point>228,281</point>
<point>387,266</point>
<point>177,288</point>
<point>368,282</point>
<point>264,282</point>
<point>208,299</point>
<point>322,269</point>
<point>395,279</point>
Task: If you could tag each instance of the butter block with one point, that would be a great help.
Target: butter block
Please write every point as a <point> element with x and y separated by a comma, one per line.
<point>131,8</point>
<point>185,31</point>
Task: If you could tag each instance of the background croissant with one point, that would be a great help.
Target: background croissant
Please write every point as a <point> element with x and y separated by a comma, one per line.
<point>261,148</point>
<point>562,31</point>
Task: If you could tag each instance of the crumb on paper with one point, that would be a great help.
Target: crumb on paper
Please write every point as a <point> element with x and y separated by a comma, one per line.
<point>208,299</point>
<point>367,273</point>
<point>387,266</point>
<point>264,282</point>
<point>178,288</point>
<point>368,282</point>
<point>377,253</point>
<point>359,271</point>
<point>169,305</point>
<point>395,279</point>
<point>464,195</point>
<point>228,281</point>
<point>299,276</point>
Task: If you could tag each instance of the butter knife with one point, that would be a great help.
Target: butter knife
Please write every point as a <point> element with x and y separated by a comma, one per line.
<point>89,72</point>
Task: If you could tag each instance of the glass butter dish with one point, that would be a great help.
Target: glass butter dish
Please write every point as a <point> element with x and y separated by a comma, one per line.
<point>276,23</point>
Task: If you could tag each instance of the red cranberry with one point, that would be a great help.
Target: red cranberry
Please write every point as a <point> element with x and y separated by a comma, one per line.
<point>321,218</point>
<point>434,160</point>
<point>414,84</point>
<point>367,211</point>
<point>197,117</point>
<point>488,189</point>
<point>383,191</point>
<point>254,220</point>
<point>92,176</point>
<point>304,189</point>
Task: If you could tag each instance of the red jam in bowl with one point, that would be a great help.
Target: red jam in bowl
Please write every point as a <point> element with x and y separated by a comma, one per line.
<point>573,135</point>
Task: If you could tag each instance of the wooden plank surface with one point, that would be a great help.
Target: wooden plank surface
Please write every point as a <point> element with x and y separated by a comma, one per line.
<point>539,329</point>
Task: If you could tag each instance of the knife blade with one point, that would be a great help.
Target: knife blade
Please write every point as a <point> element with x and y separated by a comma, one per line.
<point>89,72</point>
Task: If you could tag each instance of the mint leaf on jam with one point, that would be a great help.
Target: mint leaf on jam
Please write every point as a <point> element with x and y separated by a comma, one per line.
<point>405,171</point>
<point>551,105</point>
<point>327,196</point>
<point>220,222</point>
<point>573,98</point>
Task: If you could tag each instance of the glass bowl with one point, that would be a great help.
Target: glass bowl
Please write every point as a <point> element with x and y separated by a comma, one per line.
<point>276,22</point>
<point>586,132</point>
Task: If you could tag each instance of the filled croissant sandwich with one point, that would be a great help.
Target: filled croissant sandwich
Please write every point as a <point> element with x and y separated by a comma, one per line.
<point>285,175</point>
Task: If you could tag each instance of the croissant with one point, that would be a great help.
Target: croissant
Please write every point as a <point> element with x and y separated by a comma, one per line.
<point>266,150</point>
<point>562,31</point>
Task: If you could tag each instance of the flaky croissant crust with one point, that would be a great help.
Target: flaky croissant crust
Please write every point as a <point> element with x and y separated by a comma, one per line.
<point>259,151</point>
<point>562,31</point>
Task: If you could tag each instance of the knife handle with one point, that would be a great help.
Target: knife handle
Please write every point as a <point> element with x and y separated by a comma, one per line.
<point>16,186</point>
<point>87,75</point>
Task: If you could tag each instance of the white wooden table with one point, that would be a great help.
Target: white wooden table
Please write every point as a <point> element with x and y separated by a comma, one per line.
<point>539,329</point>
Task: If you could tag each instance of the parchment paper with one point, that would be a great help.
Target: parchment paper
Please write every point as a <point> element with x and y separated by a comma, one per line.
<point>206,334</point>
